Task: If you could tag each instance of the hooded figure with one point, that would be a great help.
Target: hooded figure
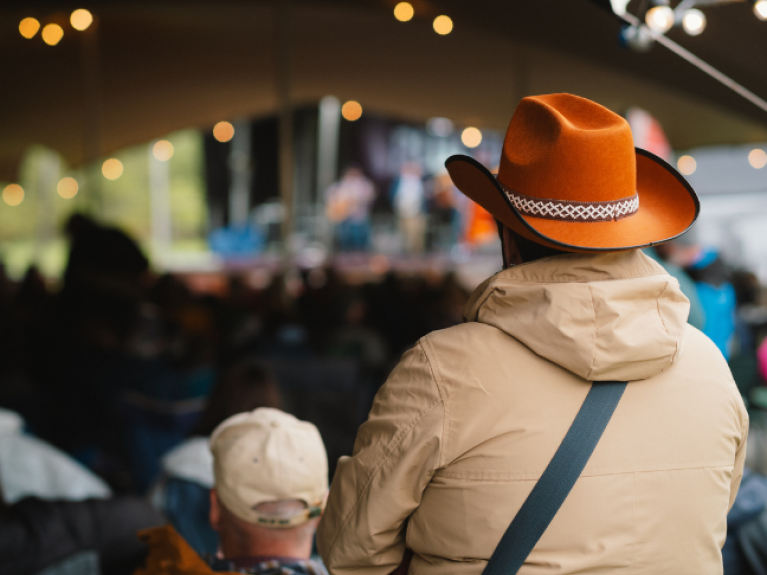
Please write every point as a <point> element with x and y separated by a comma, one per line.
<point>467,422</point>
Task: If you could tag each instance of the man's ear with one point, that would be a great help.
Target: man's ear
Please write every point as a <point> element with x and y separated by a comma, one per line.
<point>215,511</point>
<point>511,255</point>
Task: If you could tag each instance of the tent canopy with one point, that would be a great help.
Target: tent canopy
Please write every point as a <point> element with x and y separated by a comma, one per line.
<point>152,67</point>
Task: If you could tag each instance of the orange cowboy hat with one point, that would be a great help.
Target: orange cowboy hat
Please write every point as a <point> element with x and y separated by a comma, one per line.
<point>570,178</point>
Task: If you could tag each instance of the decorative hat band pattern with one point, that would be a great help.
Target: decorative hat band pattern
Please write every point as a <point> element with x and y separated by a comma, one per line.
<point>573,211</point>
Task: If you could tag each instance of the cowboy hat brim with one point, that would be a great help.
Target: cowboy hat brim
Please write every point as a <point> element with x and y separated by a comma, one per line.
<point>668,207</point>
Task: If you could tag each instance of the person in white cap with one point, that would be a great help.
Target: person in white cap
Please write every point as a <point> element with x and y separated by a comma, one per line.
<point>271,482</point>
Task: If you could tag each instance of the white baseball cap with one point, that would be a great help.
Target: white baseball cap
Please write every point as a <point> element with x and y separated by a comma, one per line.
<point>267,455</point>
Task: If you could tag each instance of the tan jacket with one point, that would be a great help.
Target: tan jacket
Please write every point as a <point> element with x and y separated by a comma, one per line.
<point>471,416</point>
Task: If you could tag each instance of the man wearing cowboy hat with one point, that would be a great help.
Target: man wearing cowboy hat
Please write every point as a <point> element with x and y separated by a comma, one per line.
<point>470,418</point>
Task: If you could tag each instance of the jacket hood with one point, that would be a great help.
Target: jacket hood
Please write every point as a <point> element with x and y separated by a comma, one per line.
<point>615,316</point>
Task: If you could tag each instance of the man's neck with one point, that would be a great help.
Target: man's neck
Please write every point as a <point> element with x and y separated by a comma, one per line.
<point>233,548</point>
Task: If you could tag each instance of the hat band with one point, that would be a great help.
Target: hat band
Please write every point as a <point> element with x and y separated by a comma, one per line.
<point>288,522</point>
<point>572,211</point>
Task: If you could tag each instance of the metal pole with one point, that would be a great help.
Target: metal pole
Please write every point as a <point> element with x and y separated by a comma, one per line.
<point>285,115</point>
<point>240,170</point>
<point>328,127</point>
<point>159,204</point>
<point>90,55</point>
<point>49,168</point>
<point>697,62</point>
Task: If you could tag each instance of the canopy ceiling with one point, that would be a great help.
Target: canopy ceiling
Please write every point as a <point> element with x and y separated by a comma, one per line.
<point>149,68</point>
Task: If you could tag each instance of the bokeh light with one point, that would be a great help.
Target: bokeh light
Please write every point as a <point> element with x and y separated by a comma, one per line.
<point>660,19</point>
<point>163,150</point>
<point>81,19</point>
<point>13,194</point>
<point>694,21</point>
<point>757,158</point>
<point>52,34</point>
<point>687,165</point>
<point>67,188</point>
<point>471,137</point>
<point>112,169</point>
<point>760,9</point>
<point>351,110</point>
<point>440,127</point>
<point>443,25</point>
<point>223,131</point>
<point>28,27</point>
<point>404,11</point>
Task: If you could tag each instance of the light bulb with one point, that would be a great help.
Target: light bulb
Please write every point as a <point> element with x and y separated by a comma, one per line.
<point>28,27</point>
<point>443,25</point>
<point>637,38</point>
<point>760,9</point>
<point>163,150</point>
<point>351,110</point>
<point>404,11</point>
<point>67,188</point>
<point>52,34</point>
<point>661,18</point>
<point>81,19</point>
<point>223,131</point>
<point>694,21</point>
<point>471,137</point>
<point>13,194</point>
<point>687,165</point>
<point>112,169</point>
<point>757,158</point>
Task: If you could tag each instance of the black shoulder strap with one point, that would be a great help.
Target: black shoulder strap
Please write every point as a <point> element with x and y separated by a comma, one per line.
<point>557,480</point>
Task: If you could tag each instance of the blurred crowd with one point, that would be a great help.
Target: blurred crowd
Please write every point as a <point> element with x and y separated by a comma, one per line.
<point>726,303</point>
<point>117,366</point>
<point>116,379</point>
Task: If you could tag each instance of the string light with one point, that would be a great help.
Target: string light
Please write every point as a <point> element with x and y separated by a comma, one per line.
<point>443,25</point>
<point>757,158</point>
<point>223,131</point>
<point>67,188</point>
<point>52,34</point>
<point>471,137</point>
<point>760,9</point>
<point>694,21</point>
<point>13,194</point>
<point>404,11</point>
<point>81,19</point>
<point>687,165</point>
<point>112,169</point>
<point>28,27</point>
<point>637,38</point>
<point>163,150</point>
<point>660,19</point>
<point>351,110</point>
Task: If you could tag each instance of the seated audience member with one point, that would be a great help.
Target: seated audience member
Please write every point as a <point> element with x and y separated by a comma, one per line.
<point>57,515</point>
<point>37,534</point>
<point>270,488</point>
<point>30,467</point>
<point>182,494</point>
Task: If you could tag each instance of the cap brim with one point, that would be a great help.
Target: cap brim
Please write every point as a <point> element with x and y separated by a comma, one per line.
<point>668,207</point>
